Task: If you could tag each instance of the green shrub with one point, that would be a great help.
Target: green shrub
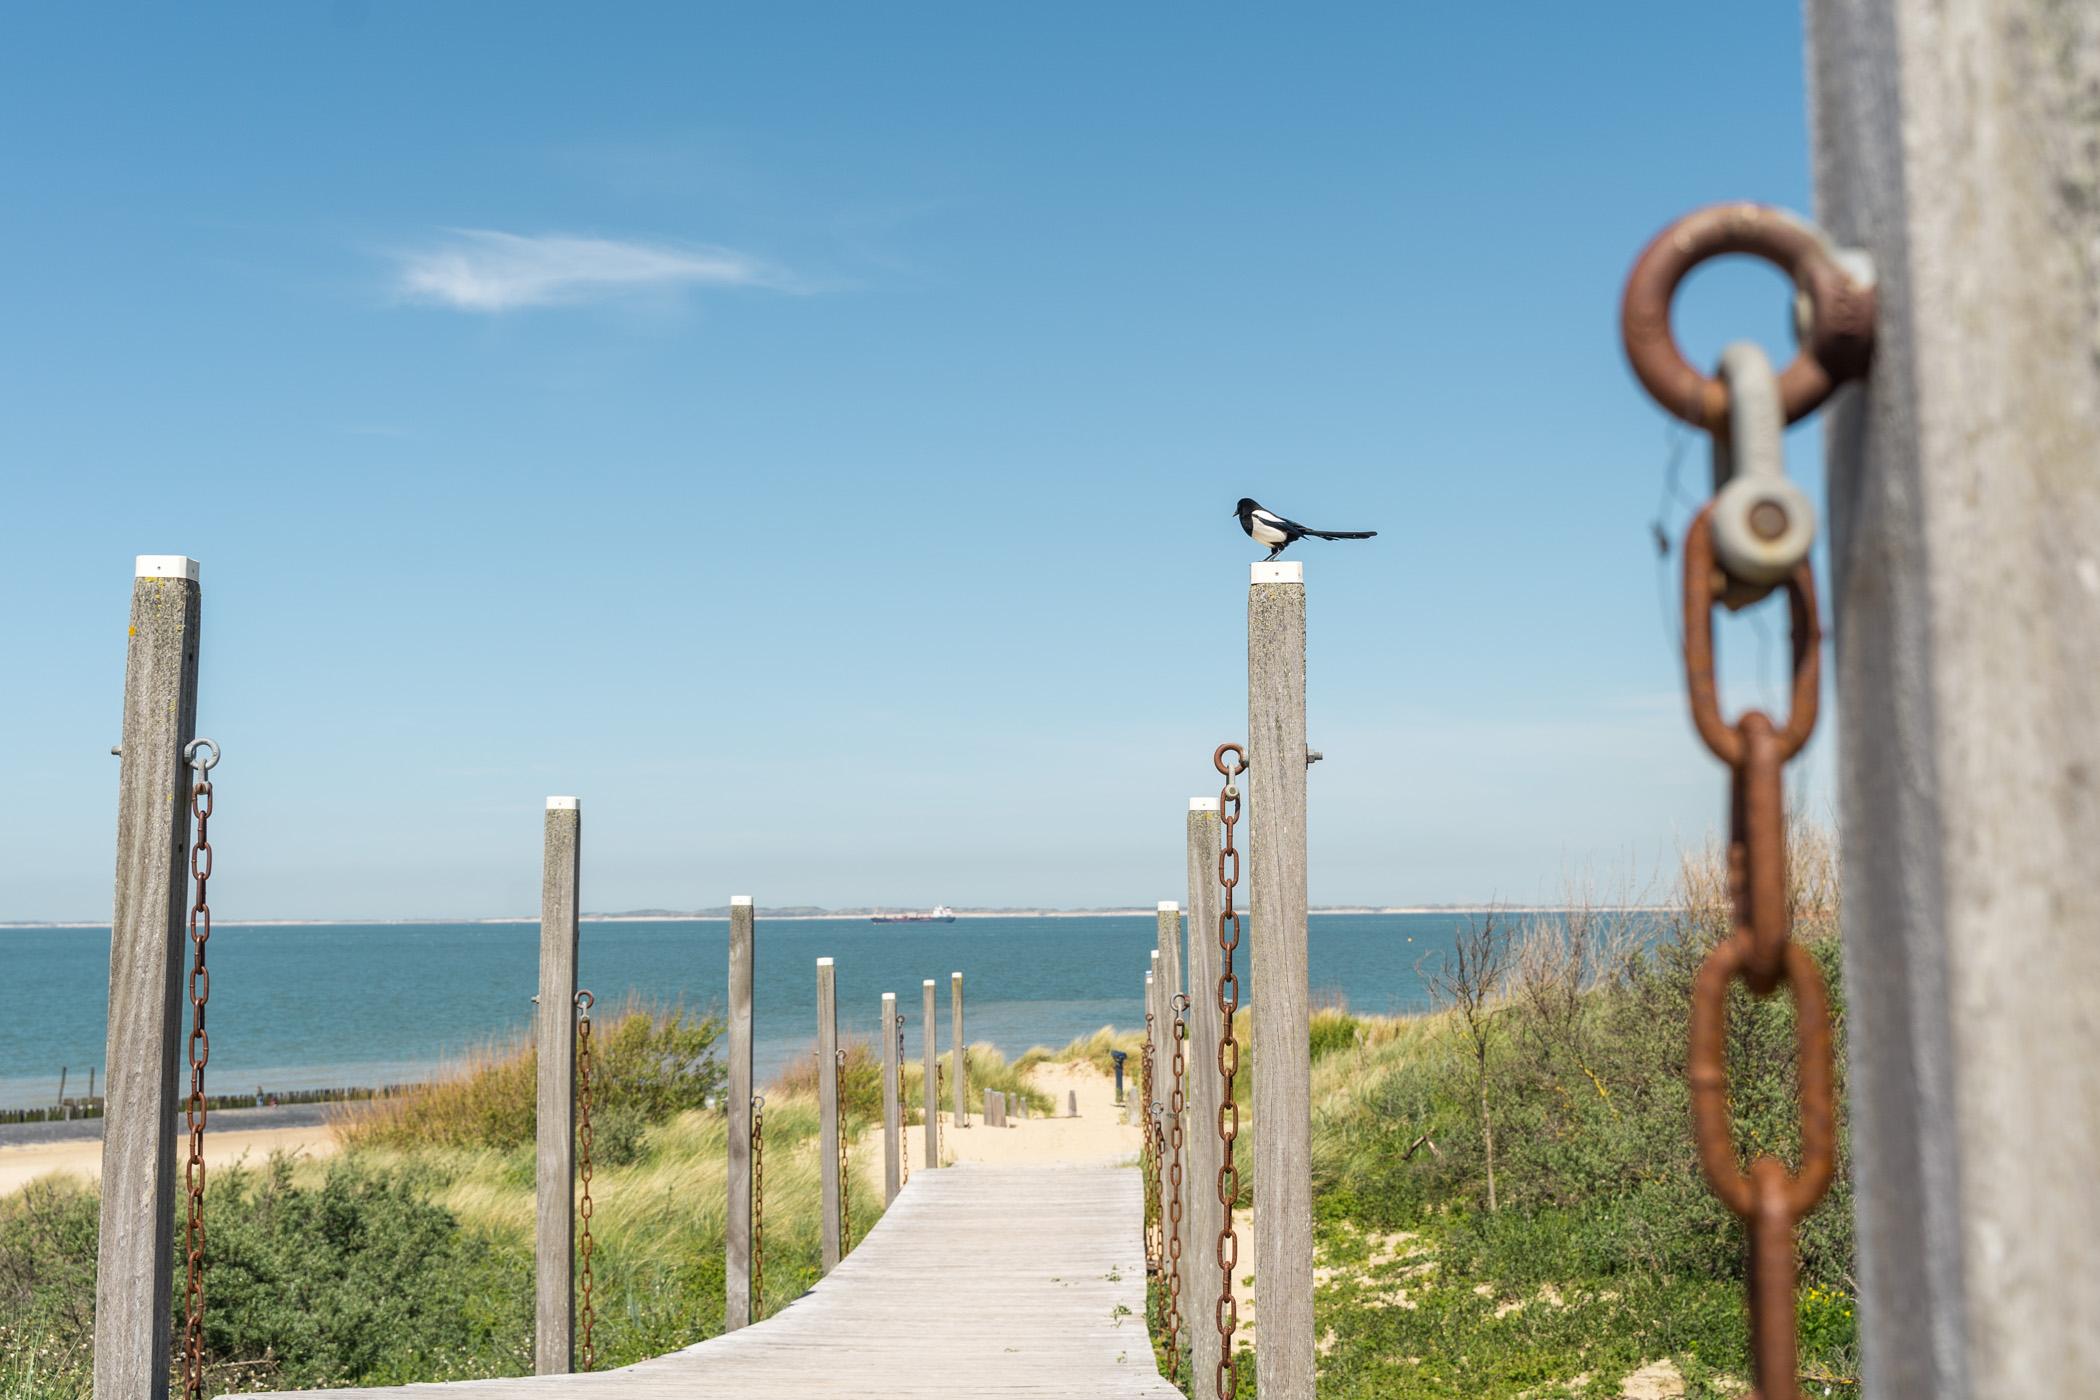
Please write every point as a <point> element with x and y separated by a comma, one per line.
<point>647,1067</point>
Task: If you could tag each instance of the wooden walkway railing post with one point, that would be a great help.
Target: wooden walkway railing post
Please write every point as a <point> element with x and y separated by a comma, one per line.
<point>1205,1154</point>
<point>1168,953</point>
<point>736,1310</point>
<point>929,1074</point>
<point>961,1066</point>
<point>554,1040</point>
<point>892,1098</point>
<point>828,1107</point>
<point>1954,144</point>
<point>135,1272</point>
<point>1278,974</point>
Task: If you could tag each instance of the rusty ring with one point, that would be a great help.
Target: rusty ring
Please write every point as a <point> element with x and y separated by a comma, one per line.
<point>1707,1074</point>
<point>1239,765</point>
<point>1840,342</point>
<point>1723,738</point>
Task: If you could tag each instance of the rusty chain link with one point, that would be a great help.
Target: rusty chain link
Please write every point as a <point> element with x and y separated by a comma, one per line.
<point>845,1169</point>
<point>1177,1101</point>
<point>199,1056</point>
<point>1759,949</point>
<point>1148,1154</point>
<point>586,1311</point>
<point>1229,929</point>
<point>903,1114</point>
<point>758,1207</point>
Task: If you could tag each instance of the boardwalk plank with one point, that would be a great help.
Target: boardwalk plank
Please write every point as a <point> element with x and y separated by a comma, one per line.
<point>980,1281</point>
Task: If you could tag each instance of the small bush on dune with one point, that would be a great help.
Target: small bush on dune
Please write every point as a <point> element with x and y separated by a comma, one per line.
<point>647,1067</point>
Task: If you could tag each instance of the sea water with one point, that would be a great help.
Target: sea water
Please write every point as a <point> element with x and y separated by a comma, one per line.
<point>297,1006</point>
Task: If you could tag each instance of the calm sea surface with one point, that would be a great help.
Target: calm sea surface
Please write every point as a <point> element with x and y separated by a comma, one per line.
<point>309,1006</point>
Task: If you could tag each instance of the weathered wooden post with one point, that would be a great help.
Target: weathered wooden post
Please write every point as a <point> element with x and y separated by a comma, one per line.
<point>962,1070</point>
<point>828,1107</point>
<point>892,1098</point>
<point>554,1041</point>
<point>993,1101</point>
<point>1071,1103</point>
<point>1954,143</point>
<point>1277,967</point>
<point>929,1074</point>
<point>1148,1092</point>
<point>1168,935</point>
<point>736,1310</point>
<point>1205,1154</point>
<point>135,1257</point>
<point>1156,1111</point>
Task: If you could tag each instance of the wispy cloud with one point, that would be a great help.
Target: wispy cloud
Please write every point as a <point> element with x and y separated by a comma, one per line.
<point>487,270</point>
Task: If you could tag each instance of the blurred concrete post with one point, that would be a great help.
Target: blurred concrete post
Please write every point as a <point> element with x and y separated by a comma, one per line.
<point>1277,970</point>
<point>1954,144</point>
<point>892,1097</point>
<point>962,1072</point>
<point>828,1107</point>
<point>1205,1153</point>
<point>929,1074</point>
<point>554,1020</point>
<point>135,1271</point>
<point>737,1096</point>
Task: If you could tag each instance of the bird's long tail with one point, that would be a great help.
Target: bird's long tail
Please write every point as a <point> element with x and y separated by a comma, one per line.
<point>1341,534</point>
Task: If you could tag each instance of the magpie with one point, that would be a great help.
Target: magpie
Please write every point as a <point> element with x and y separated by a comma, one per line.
<point>1269,528</point>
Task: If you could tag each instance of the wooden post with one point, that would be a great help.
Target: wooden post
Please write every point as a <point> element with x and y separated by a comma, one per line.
<point>929,1074</point>
<point>135,1257</point>
<point>1205,1214</point>
<point>1954,143</point>
<point>1071,1103</point>
<point>554,1038</point>
<point>991,1109</point>
<point>1278,977</point>
<point>892,1098</point>
<point>737,1230</point>
<point>1168,935</point>
<point>962,1069</point>
<point>1162,1016</point>
<point>1148,1112</point>
<point>828,1106</point>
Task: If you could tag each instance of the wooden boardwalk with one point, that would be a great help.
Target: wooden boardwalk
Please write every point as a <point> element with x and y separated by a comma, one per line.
<point>980,1281</point>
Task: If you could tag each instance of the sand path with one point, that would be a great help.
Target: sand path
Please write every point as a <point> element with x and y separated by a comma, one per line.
<point>82,1157</point>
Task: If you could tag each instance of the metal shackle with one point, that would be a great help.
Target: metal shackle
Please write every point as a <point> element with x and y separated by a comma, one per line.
<point>1763,524</point>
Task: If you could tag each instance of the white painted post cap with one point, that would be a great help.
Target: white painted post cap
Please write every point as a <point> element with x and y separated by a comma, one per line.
<point>738,901</point>
<point>1148,975</point>
<point>1203,804</point>
<point>167,566</point>
<point>823,962</point>
<point>1170,906</point>
<point>564,804</point>
<point>889,996</point>
<point>1282,571</point>
<point>955,977</point>
<point>927,983</point>
<point>1155,955</point>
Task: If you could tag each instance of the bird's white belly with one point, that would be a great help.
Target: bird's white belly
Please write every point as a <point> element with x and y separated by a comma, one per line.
<point>1264,532</point>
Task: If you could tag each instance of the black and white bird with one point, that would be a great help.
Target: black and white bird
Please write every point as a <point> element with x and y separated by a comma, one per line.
<point>1269,528</point>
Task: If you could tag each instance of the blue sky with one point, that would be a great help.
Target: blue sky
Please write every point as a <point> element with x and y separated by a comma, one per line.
<point>809,434</point>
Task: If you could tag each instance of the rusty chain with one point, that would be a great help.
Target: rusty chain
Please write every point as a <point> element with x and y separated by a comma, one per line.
<point>1177,1101</point>
<point>758,1207</point>
<point>587,1311</point>
<point>1148,1154</point>
<point>933,1110</point>
<point>1759,950</point>
<point>845,1169</point>
<point>199,1056</point>
<point>903,1114</point>
<point>1229,930</point>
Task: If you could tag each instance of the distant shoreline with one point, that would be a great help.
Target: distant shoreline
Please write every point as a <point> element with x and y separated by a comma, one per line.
<point>804,916</point>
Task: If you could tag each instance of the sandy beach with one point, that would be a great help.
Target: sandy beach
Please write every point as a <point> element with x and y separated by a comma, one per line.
<point>82,1157</point>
